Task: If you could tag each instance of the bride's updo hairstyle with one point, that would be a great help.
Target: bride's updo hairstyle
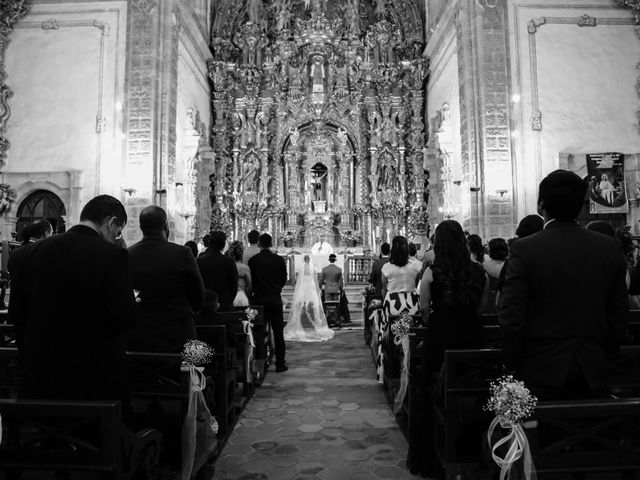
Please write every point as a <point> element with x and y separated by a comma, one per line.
<point>399,251</point>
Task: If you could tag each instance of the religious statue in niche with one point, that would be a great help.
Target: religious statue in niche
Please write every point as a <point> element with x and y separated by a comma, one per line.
<point>318,180</point>
<point>317,74</point>
<point>380,9</point>
<point>342,136</point>
<point>351,17</point>
<point>250,172</point>
<point>212,189</point>
<point>294,135</point>
<point>386,180</point>
<point>282,14</point>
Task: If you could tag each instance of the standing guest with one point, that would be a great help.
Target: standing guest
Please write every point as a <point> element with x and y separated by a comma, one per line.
<point>269,274</point>
<point>31,234</point>
<point>429,255</point>
<point>206,243</point>
<point>498,253</point>
<point>399,280</point>
<point>413,252</point>
<point>170,286</point>
<point>236,249</point>
<point>476,248</point>
<point>193,246</point>
<point>452,293</point>
<point>253,248</point>
<point>76,351</point>
<point>375,277</point>
<point>528,226</point>
<point>219,271</point>
<point>562,317</point>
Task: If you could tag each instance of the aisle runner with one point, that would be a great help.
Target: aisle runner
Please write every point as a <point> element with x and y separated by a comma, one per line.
<point>327,416</point>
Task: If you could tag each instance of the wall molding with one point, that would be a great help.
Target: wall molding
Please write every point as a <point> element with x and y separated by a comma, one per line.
<point>533,27</point>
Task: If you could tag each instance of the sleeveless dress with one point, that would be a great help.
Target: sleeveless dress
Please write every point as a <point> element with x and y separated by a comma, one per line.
<point>454,322</point>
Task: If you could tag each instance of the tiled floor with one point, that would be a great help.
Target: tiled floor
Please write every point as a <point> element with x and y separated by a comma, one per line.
<point>326,418</point>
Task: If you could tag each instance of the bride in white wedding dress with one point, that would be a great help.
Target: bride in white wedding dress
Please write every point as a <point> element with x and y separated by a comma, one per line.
<point>307,322</point>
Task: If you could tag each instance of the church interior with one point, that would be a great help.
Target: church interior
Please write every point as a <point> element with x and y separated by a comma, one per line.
<point>351,121</point>
<point>332,125</point>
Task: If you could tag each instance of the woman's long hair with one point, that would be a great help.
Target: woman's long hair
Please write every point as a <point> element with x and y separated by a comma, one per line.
<point>399,251</point>
<point>453,266</point>
<point>476,247</point>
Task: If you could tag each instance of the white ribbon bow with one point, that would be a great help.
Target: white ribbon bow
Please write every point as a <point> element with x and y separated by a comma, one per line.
<point>518,448</point>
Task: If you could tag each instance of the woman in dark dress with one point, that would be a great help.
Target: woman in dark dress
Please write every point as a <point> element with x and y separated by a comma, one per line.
<point>453,290</point>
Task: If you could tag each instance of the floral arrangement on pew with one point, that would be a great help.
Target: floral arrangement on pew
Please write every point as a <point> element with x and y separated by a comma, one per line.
<point>198,422</point>
<point>400,330</point>
<point>512,403</point>
<point>247,326</point>
<point>197,353</point>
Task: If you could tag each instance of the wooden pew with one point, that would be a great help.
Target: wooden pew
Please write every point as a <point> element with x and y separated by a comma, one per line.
<point>263,338</point>
<point>460,423</point>
<point>222,369</point>
<point>74,436</point>
<point>159,398</point>
<point>393,357</point>
<point>368,327</point>
<point>7,335</point>
<point>9,372</point>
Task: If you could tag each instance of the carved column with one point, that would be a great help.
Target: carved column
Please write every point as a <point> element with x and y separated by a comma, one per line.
<point>11,12</point>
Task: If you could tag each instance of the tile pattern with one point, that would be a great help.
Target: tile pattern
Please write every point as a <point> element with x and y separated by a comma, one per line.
<point>325,419</point>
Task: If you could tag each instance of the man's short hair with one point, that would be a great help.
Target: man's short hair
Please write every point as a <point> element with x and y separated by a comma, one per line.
<point>101,208</point>
<point>332,257</point>
<point>206,240</point>
<point>413,249</point>
<point>218,240</point>
<point>529,225</point>
<point>385,248</point>
<point>265,241</point>
<point>562,195</point>
<point>152,219</point>
<point>253,236</point>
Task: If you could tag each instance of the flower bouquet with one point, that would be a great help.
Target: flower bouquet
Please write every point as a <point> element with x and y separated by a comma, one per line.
<point>512,403</point>
<point>196,353</point>
<point>375,303</point>
<point>401,327</point>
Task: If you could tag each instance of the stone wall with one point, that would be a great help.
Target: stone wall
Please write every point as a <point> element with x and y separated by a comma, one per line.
<point>65,64</point>
<point>573,74</point>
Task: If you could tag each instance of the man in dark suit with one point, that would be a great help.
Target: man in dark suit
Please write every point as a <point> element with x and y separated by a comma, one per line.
<point>564,303</point>
<point>72,302</point>
<point>170,286</point>
<point>219,271</point>
<point>331,280</point>
<point>375,277</point>
<point>253,236</point>
<point>269,274</point>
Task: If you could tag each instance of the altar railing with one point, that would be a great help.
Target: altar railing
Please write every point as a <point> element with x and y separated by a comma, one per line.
<point>357,269</point>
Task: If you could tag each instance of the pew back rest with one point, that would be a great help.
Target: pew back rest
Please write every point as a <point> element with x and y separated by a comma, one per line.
<point>586,435</point>
<point>7,335</point>
<point>157,375</point>
<point>44,434</point>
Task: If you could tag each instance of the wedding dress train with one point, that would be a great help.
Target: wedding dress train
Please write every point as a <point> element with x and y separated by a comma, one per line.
<point>307,321</point>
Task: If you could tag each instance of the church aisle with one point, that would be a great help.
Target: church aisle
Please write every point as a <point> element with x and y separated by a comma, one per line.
<point>326,418</point>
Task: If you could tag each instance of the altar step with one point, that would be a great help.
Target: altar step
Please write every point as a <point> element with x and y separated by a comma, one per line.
<point>354,296</point>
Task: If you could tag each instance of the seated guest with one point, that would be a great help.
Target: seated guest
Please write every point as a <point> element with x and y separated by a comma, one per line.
<point>193,246</point>
<point>564,306</point>
<point>209,315</point>
<point>219,271</point>
<point>170,286</point>
<point>236,251</point>
<point>476,248</point>
<point>71,304</point>
<point>375,277</point>
<point>253,248</point>
<point>498,253</point>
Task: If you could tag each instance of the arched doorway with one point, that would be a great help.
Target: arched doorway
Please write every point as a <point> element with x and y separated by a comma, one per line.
<point>41,204</point>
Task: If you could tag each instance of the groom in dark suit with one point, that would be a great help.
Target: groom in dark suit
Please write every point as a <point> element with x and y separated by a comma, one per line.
<point>564,306</point>
<point>269,275</point>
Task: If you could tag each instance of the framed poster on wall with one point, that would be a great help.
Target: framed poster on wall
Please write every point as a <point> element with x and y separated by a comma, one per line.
<point>607,185</point>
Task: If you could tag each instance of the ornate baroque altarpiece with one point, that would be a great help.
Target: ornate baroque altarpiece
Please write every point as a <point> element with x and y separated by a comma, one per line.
<point>318,119</point>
